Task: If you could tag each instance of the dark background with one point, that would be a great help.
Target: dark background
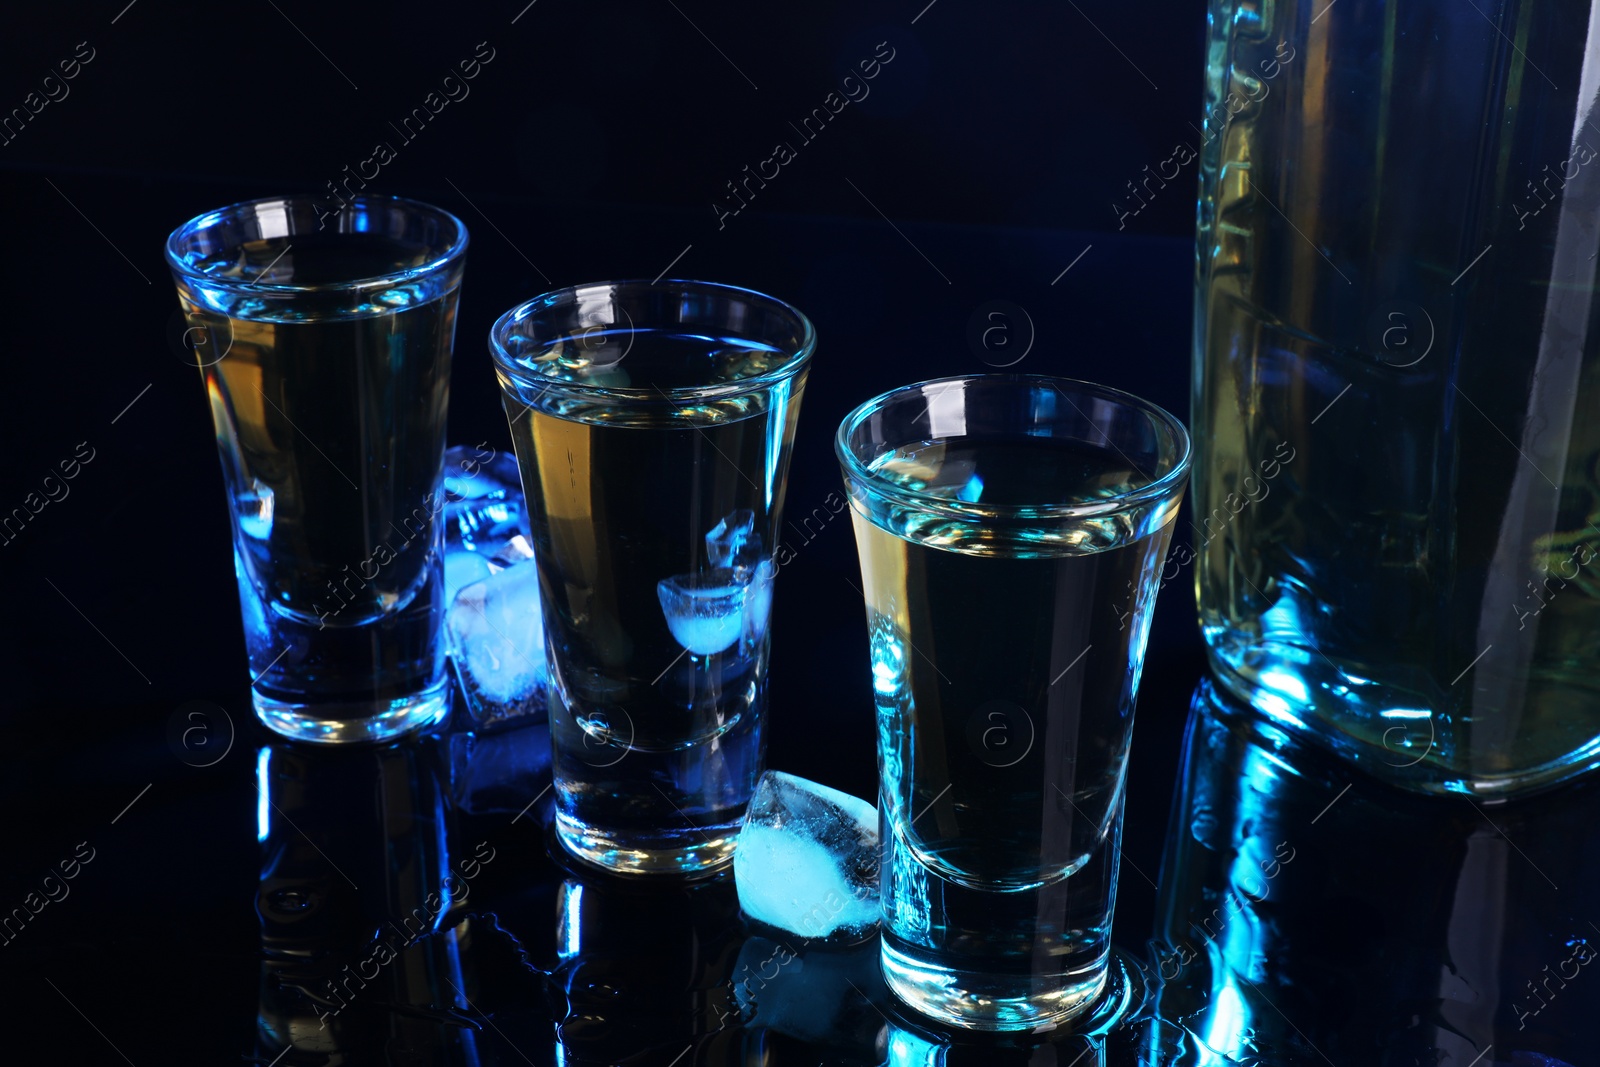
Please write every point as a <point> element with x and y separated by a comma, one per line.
<point>984,164</point>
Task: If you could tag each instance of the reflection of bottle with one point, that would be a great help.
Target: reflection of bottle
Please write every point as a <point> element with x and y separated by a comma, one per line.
<point>1305,914</point>
<point>356,883</point>
<point>1397,372</point>
<point>648,974</point>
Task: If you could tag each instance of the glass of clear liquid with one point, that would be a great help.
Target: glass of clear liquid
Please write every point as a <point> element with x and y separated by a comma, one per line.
<point>323,339</point>
<point>1011,531</point>
<point>653,424</point>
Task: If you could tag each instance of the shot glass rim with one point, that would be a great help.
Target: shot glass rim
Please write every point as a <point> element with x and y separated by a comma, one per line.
<point>802,356</point>
<point>456,249</point>
<point>1164,486</point>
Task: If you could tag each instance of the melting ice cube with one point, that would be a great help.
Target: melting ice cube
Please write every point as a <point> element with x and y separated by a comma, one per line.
<point>807,859</point>
<point>495,631</point>
<point>517,550</point>
<point>733,542</point>
<point>483,498</point>
<point>497,645</point>
<point>462,567</point>
<point>709,612</point>
<point>758,602</point>
<point>705,612</point>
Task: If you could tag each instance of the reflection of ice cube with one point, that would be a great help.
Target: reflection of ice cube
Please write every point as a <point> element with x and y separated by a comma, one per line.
<point>497,644</point>
<point>829,998</point>
<point>807,859</point>
<point>483,498</point>
<point>499,772</point>
<point>972,490</point>
<point>255,506</point>
<point>705,612</point>
<point>758,602</point>
<point>733,542</point>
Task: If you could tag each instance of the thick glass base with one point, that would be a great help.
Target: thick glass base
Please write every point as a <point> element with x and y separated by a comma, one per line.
<point>1400,738</point>
<point>1092,1002</point>
<point>355,721</point>
<point>702,853</point>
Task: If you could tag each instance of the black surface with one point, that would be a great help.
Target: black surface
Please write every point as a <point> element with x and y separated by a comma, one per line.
<point>593,145</point>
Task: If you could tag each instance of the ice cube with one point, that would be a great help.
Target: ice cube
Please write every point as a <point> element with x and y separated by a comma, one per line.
<point>733,542</point>
<point>517,550</point>
<point>758,603</point>
<point>497,644</point>
<point>807,859</point>
<point>462,567</point>
<point>483,498</point>
<point>705,612</point>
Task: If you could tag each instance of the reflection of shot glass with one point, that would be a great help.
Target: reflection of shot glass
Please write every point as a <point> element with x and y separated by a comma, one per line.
<point>325,351</point>
<point>358,905</point>
<point>643,970</point>
<point>1002,521</point>
<point>653,424</point>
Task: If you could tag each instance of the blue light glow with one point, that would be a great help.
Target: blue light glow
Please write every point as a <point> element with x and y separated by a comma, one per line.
<point>1227,1033</point>
<point>908,1050</point>
<point>571,927</point>
<point>1288,684</point>
<point>776,425</point>
<point>263,802</point>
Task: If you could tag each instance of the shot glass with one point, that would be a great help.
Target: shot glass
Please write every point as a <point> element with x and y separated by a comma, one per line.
<point>653,423</point>
<point>1011,531</point>
<point>324,340</point>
